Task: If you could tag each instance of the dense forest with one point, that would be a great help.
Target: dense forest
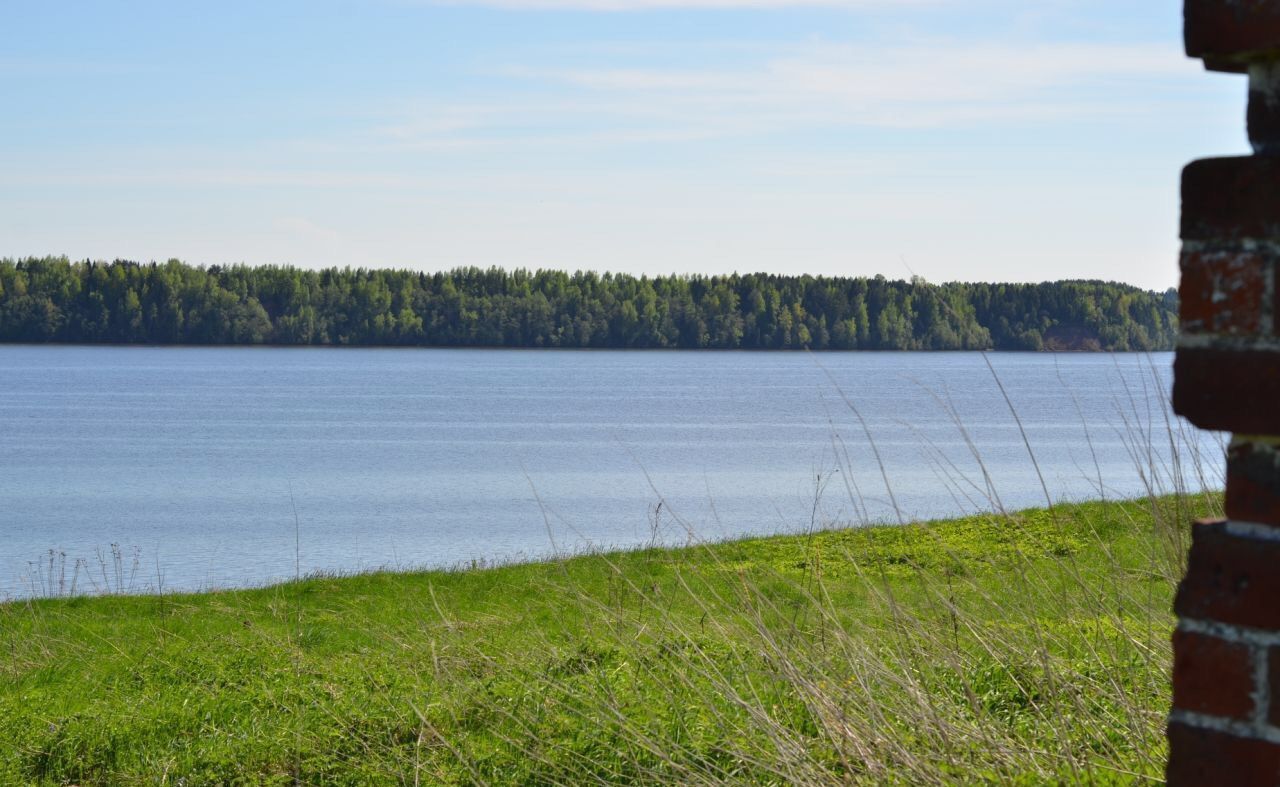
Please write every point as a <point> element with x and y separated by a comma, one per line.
<point>53,299</point>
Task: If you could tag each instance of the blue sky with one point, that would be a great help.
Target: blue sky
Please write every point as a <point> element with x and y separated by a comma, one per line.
<point>976,140</point>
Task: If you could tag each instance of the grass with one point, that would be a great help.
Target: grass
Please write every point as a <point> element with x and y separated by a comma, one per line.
<point>1030,647</point>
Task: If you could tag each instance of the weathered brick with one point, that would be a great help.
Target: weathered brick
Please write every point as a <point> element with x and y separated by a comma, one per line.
<point>1230,579</point>
<point>1230,199</point>
<point>1273,681</point>
<point>1212,675</point>
<point>1226,33</point>
<point>1263,117</point>
<point>1263,120</point>
<point>1202,757</point>
<point>1253,482</point>
<point>1222,292</point>
<point>1228,390</point>
<point>1275,302</point>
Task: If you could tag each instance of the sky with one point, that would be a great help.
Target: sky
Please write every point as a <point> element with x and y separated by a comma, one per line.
<point>975,140</point>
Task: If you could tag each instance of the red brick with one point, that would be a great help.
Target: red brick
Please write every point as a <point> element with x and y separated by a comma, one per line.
<point>1231,579</point>
<point>1222,292</point>
<point>1253,483</point>
<point>1226,32</point>
<point>1228,390</point>
<point>1212,675</point>
<point>1206,757</point>
<point>1228,199</point>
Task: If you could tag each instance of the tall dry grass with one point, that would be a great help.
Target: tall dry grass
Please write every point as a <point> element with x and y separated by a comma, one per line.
<point>927,669</point>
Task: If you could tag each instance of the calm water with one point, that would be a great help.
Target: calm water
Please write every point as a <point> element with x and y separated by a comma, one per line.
<point>187,457</point>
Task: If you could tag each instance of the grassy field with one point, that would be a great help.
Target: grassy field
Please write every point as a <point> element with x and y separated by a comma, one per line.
<point>1031,647</point>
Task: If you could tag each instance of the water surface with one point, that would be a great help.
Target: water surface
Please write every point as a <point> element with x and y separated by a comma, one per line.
<point>207,463</point>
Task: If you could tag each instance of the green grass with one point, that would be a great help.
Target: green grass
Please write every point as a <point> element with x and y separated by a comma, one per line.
<point>1026,648</point>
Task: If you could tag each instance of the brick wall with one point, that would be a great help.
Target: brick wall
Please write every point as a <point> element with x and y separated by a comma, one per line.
<point>1225,724</point>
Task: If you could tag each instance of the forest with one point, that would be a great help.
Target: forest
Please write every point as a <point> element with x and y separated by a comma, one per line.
<point>53,299</point>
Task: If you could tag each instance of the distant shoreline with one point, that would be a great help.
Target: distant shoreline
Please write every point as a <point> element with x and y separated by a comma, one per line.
<point>55,300</point>
<point>495,348</point>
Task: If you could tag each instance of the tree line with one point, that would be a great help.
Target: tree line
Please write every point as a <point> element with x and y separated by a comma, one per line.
<point>53,299</point>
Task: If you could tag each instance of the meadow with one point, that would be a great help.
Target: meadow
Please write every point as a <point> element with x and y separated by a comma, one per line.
<point>1021,647</point>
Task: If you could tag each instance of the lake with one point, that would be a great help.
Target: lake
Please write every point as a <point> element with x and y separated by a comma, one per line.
<point>219,467</point>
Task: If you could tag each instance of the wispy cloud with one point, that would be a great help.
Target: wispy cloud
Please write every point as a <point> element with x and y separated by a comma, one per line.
<point>659,5</point>
<point>45,67</point>
<point>913,73</point>
<point>915,85</point>
<point>151,173</point>
<point>304,229</point>
<point>833,136</point>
